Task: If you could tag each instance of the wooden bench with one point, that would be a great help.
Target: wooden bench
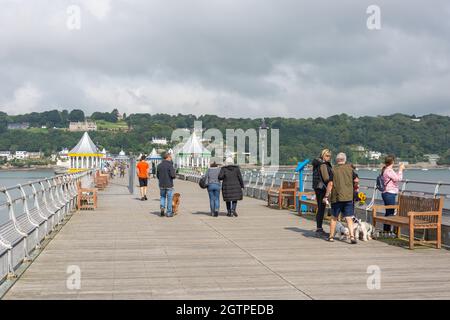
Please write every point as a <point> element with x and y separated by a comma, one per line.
<point>87,198</point>
<point>100,180</point>
<point>309,203</point>
<point>415,213</point>
<point>282,195</point>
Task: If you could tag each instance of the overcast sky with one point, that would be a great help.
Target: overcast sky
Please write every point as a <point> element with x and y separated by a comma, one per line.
<point>235,58</point>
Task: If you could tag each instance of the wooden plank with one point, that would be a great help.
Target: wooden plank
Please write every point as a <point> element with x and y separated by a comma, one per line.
<point>126,251</point>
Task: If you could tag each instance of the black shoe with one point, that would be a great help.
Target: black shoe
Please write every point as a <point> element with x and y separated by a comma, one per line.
<point>142,199</point>
<point>353,240</point>
<point>320,233</point>
<point>229,214</point>
<point>145,198</point>
<point>162,212</point>
<point>235,213</point>
<point>216,214</point>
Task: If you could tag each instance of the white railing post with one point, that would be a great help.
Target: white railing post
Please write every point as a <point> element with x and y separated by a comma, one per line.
<point>12,216</point>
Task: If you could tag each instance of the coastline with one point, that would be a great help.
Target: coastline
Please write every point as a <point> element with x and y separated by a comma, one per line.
<point>31,168</point>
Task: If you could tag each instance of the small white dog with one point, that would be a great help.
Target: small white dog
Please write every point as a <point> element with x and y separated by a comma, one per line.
<point>363,230</point>
<point>342,231</point>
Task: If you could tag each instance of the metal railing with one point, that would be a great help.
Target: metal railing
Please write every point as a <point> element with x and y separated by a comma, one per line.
<point>30,213</point>
<point>257,184</point>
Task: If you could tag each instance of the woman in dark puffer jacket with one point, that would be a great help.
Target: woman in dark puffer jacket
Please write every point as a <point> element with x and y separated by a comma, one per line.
<point>232,186</point>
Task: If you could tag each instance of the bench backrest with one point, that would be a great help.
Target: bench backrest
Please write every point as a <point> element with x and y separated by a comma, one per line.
<point>288,185</point>
<point>419,204</point>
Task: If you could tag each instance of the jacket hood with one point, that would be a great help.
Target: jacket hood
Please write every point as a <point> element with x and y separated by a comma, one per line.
<point>231,167</point>
<point>317,162</point>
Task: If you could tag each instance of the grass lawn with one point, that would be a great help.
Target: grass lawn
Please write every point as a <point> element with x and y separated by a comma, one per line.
<point>105,125</point>
<point>37,130</point>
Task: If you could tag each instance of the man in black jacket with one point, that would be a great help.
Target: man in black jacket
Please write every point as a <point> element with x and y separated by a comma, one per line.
<point>165,174</point>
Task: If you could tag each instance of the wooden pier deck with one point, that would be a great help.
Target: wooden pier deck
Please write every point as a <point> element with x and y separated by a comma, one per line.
<point>126,251</point>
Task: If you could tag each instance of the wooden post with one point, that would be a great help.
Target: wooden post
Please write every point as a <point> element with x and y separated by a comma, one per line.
<point>439,226</point>
<point>411,232</point>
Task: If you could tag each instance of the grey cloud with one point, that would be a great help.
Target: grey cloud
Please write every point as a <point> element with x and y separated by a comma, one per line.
<point>232,58</point>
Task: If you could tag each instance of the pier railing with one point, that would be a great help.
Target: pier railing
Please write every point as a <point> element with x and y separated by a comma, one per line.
<point>30,213</point>
<point>257,184</point>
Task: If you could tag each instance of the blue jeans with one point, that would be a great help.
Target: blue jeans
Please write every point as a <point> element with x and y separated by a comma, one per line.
<point>214,197</point>
<point>163,192</point>
<point>389,199</point>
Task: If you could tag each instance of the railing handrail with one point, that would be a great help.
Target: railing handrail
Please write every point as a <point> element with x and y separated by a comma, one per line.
<point>47,185</point>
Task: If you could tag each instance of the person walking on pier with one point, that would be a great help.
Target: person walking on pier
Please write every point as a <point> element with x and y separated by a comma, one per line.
<point>153,169</point>
<point>322,175</point>
<point>142,173</point>
<point>212,178</point>
<point>232,186</point>
<point>165,173</point>
<point>122,169</point>
<point>391,180</point>
<point>341,190</point>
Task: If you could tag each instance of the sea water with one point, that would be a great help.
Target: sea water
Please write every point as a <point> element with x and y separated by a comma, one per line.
<point>10,178</point>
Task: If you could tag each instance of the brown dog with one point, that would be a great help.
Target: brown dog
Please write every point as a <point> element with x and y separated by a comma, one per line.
<point>175,203</point>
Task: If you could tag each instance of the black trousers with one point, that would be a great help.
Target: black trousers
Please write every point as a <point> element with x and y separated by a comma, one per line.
<point>320,194</point>
<point>231,205</point>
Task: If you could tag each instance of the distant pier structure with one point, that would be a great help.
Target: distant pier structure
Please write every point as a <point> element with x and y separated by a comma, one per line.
<point>85,155</point>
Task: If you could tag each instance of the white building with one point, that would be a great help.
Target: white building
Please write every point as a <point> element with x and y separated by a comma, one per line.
<point>432,158</point>
<point>374,155</point>
<point>85,155</point>
<point>7,155</point>
<point>122,156</point>
<point>192,153</point>
<point>161,141</point>
<point>35,155</point>
<point>64,154</point>
<point>20,155</point>
<point>83,126</point>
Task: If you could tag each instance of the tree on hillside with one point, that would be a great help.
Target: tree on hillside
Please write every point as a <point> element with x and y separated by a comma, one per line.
<point>52,119</point>
<point>76,115</point>
<point>3,122</point>
<point>106,116</point>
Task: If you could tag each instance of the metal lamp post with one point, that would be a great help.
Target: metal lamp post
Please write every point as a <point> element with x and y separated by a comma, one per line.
<point>263,137</point>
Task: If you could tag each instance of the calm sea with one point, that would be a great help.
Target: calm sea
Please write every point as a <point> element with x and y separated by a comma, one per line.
<point>10,178</point>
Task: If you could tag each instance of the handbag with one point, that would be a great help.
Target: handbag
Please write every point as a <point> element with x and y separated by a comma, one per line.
<point>203,183</point>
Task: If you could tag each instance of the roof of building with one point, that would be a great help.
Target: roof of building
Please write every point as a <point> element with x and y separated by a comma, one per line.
<point>193,146</point>
<point>85,145</point>
<point>154,155</point>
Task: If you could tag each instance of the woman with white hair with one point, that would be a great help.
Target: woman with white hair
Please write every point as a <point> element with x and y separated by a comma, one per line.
<point>232,185</point>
